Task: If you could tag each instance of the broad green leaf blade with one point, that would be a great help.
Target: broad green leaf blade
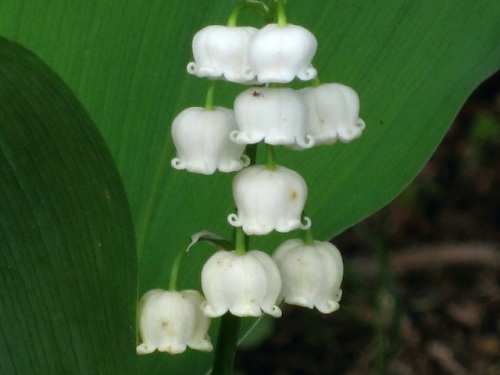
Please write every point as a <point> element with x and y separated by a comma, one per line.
<point>413,64</point>
<point>68,261</point>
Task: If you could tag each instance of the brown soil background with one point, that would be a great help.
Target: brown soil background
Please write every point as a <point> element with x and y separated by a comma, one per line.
<point>422,282</point>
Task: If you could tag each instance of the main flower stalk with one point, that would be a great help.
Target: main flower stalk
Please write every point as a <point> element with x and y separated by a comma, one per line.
<point>225,348</point>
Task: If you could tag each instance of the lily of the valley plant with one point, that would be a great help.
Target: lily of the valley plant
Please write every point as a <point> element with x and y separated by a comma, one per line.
<point>271,197</point>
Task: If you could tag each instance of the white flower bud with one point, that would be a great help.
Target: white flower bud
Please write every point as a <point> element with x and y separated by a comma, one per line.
<point>170,320</point>
<point>268,200</point>
<point>275,115</point>
<point>333,111</point>
<point>311,274</point>
<point>222,52</point>
<point>244,285</point>
<point>279,54</point>
<point>202,140</point>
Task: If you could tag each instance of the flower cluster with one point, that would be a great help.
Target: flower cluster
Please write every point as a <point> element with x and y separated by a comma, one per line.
<point>248,284</point>
<point>268,197</point>
<point>273,54</point>
<point>213,139</point>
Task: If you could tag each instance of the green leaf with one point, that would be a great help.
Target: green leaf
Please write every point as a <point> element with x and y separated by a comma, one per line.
<point>413,64</point>
<point>68,262</point>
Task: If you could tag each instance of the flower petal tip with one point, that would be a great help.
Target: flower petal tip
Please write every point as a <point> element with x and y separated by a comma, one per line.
<point>191,68</point>
<point>306,223</point>
<point>234,220</point>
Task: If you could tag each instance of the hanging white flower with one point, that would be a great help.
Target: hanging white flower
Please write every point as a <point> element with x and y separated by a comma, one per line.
<point>275,115</point>
<point>333,111</point>
<point>268,200</point>
<point>222,52</point>
<point>169,321</point>
<point>201,138</point>
<point>311,274</point>
<point>280,53</point>
<point>244,285</point>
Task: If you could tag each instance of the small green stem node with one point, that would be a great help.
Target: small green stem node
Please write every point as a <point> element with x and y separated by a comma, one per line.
<point>271,158</point>
<point>282,21</point>
<point>316,82</point>
<point>232,21</point>
<point>240,246</point>
<point>174,273</point>
<point>307,235</point>
<point>209,101</point>
<point>308,238</point>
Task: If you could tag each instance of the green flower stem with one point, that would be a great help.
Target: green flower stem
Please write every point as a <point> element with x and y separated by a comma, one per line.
<point>240,246</point>
<point>175,270</point>
<point>281,13</point>
<point>271,158</point>
<point>316,82</point>
<point>232,21</point>
<point>225,348</point>
<point>209,101</point>
<point>308,237</point>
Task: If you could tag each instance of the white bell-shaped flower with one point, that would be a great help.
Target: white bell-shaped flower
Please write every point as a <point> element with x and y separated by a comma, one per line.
<point>201,137</point>
<point>222,52</point>
<point>268,200</point>
<point>169,321</point>
<point>280,53</point>
<point>311,274</point>
<point>333,111</point>
<point>244,285</point>
<point>275,115</point>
